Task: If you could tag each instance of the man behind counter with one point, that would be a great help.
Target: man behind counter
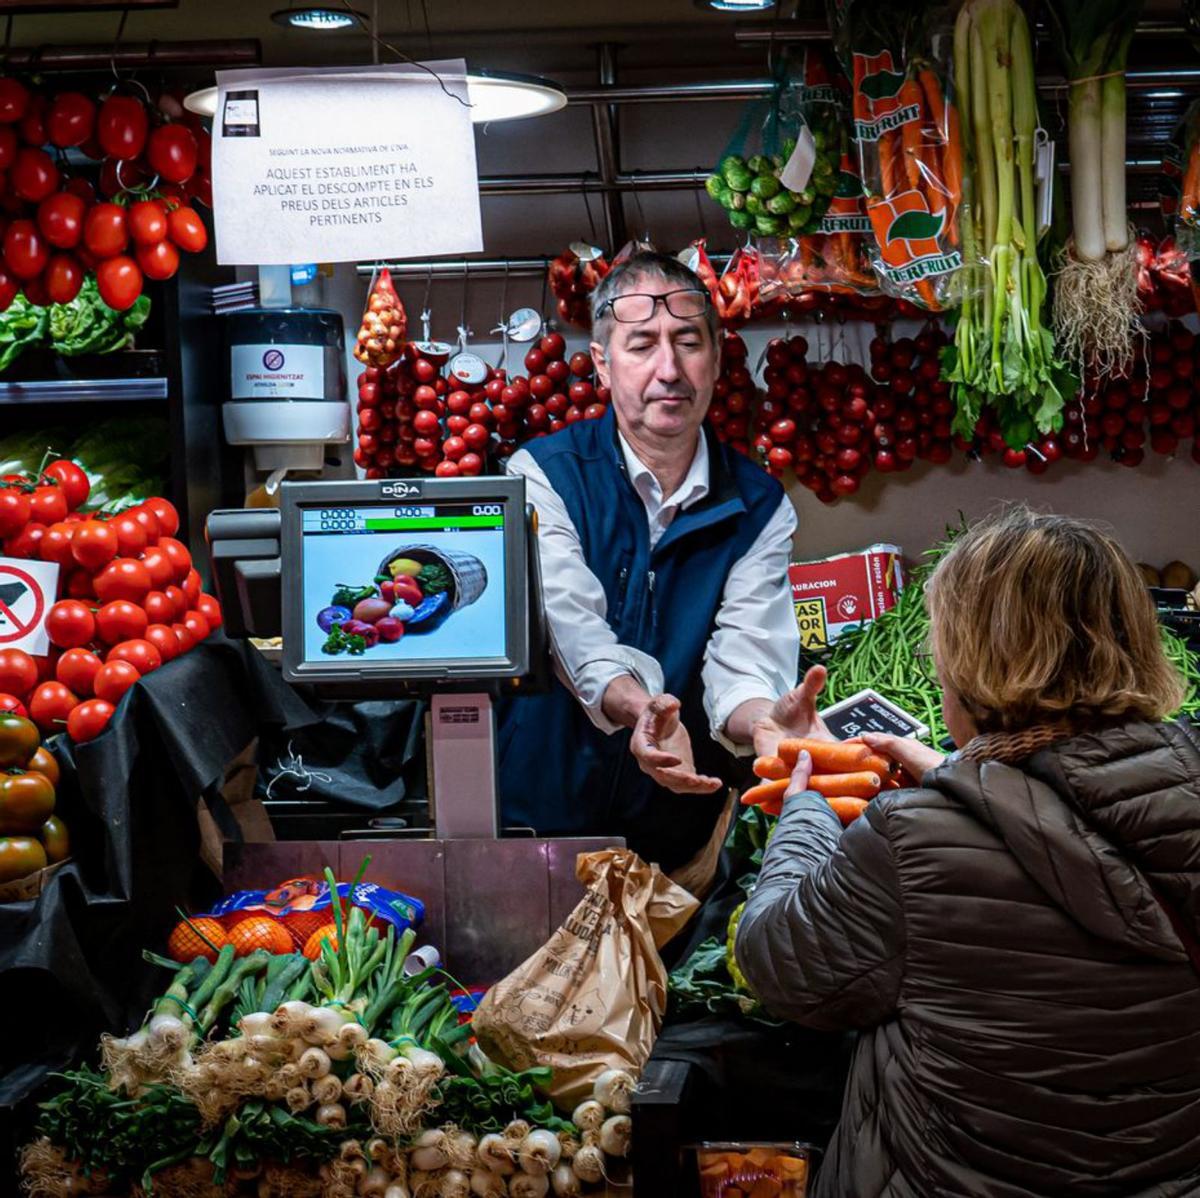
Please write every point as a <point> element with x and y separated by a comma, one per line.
<point>664,563</point>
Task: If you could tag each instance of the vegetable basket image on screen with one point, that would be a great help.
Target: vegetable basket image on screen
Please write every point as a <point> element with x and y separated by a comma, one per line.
<point>468,575</point>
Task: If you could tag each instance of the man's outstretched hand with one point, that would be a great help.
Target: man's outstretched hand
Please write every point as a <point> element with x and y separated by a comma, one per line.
<point>663,750</point>
<point>793,715</point>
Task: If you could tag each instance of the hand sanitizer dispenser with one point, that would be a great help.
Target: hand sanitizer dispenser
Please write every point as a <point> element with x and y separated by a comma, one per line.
<point>287,385</point>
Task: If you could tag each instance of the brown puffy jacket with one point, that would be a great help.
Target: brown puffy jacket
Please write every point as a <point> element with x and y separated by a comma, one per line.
<point>1030,1019</point>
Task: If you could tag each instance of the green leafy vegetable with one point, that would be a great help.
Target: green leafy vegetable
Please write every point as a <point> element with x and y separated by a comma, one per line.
<point>348,596</point>
<point>344,642</point>
<point>434,578</point>
<point>22,324</point>
<point>87,325</point>
<point>1003,354</point>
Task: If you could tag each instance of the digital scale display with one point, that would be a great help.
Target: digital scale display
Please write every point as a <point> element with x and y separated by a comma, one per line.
<point>431,517</point>
<point>403,583</point>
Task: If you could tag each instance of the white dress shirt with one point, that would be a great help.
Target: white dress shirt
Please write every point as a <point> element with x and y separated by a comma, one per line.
<point>754,648</point>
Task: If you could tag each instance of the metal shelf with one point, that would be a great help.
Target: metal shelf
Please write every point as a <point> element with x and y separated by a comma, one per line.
<point>41,391</point>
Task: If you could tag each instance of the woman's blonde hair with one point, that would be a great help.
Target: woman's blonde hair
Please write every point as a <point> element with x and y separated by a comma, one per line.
<point>1038,618</point>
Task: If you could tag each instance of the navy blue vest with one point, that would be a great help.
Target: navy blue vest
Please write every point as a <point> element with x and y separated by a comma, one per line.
<point>558,773</point>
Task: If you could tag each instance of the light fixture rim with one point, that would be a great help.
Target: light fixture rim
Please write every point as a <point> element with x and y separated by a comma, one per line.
<point>282,16</point>
<point>203,100</point>
<point>537,83</point>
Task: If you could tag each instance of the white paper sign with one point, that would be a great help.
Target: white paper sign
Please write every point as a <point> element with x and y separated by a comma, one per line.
<point>344,164</point>
<point>27,591</point>
<point>799,167</point>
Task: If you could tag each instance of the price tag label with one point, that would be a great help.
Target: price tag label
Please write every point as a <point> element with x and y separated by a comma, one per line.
<point>469,368</point>
<point>869,711</point>
<point>799,167</point>
<point>1043,173</point>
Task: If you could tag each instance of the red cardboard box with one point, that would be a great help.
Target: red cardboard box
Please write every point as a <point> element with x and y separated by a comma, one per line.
<point>840,592</point>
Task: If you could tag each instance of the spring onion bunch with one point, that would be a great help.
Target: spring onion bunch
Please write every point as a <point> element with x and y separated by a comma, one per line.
<point>1095,299</point>
<point>272,1066</point>
<point>1003,354</point>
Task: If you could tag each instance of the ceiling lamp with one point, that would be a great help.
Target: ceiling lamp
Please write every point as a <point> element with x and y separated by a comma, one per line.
<point>315,17</point>
<point>494,96</point>
<point>742,6</point>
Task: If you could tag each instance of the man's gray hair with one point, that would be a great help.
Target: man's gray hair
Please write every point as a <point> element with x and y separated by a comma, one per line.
<point>645,264</point>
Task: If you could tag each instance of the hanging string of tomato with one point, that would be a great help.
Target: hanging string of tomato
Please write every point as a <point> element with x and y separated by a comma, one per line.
<point>132,224</point>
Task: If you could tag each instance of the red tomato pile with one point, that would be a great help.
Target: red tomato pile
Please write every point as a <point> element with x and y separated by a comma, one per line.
<point>913,408</point>
<point>562,391</point>
<point>54,227</point>
<point>816,420</point>
<point>413,416</point>
<point>1172,397</point>
<point>130,599</point>
<point>734,395</point>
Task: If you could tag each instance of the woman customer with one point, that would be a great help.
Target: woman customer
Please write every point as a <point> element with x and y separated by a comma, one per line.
<point>1016,938</point>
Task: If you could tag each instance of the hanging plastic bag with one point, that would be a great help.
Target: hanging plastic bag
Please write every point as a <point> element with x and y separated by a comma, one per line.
<point>837,257</point>
<point>737,292</point>
<point>777,174</point>
<point>384,324</point>
<point>696,259</point>
<point>909,146</point>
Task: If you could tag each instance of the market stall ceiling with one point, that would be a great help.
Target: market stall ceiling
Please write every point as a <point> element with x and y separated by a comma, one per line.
<point>398,19</point>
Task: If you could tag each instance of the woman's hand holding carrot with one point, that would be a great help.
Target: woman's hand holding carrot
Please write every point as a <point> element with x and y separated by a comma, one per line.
<point>915,758</point>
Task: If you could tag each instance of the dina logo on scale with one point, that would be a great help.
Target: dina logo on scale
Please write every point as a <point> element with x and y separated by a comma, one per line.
<point>400,490</point>
<point>273,359</point>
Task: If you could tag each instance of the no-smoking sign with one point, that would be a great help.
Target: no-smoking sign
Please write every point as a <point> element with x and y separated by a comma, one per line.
<point>27,590</point>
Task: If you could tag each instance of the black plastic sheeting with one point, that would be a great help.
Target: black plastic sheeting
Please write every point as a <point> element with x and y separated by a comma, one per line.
<point>70,960</point>
<point>369,756</point>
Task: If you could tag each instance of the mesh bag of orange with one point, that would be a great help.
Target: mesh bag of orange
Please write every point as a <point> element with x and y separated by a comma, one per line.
<point>909,145</point>
<point>294,916</point>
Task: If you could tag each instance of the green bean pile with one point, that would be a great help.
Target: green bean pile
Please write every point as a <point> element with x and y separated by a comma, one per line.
<point>889,655</point>
<point>1187,663</point>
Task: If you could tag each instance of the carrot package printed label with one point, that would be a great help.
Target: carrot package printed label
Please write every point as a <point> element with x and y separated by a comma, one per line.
<point>592,998</point>
<point>909,149</point>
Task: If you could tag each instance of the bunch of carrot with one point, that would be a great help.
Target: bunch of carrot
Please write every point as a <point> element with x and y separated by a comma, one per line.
<point>846,772</point>
<point>924,155</point>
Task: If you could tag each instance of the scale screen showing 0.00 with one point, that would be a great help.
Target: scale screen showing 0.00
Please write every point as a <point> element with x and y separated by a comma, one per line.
<point>428,517</point>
